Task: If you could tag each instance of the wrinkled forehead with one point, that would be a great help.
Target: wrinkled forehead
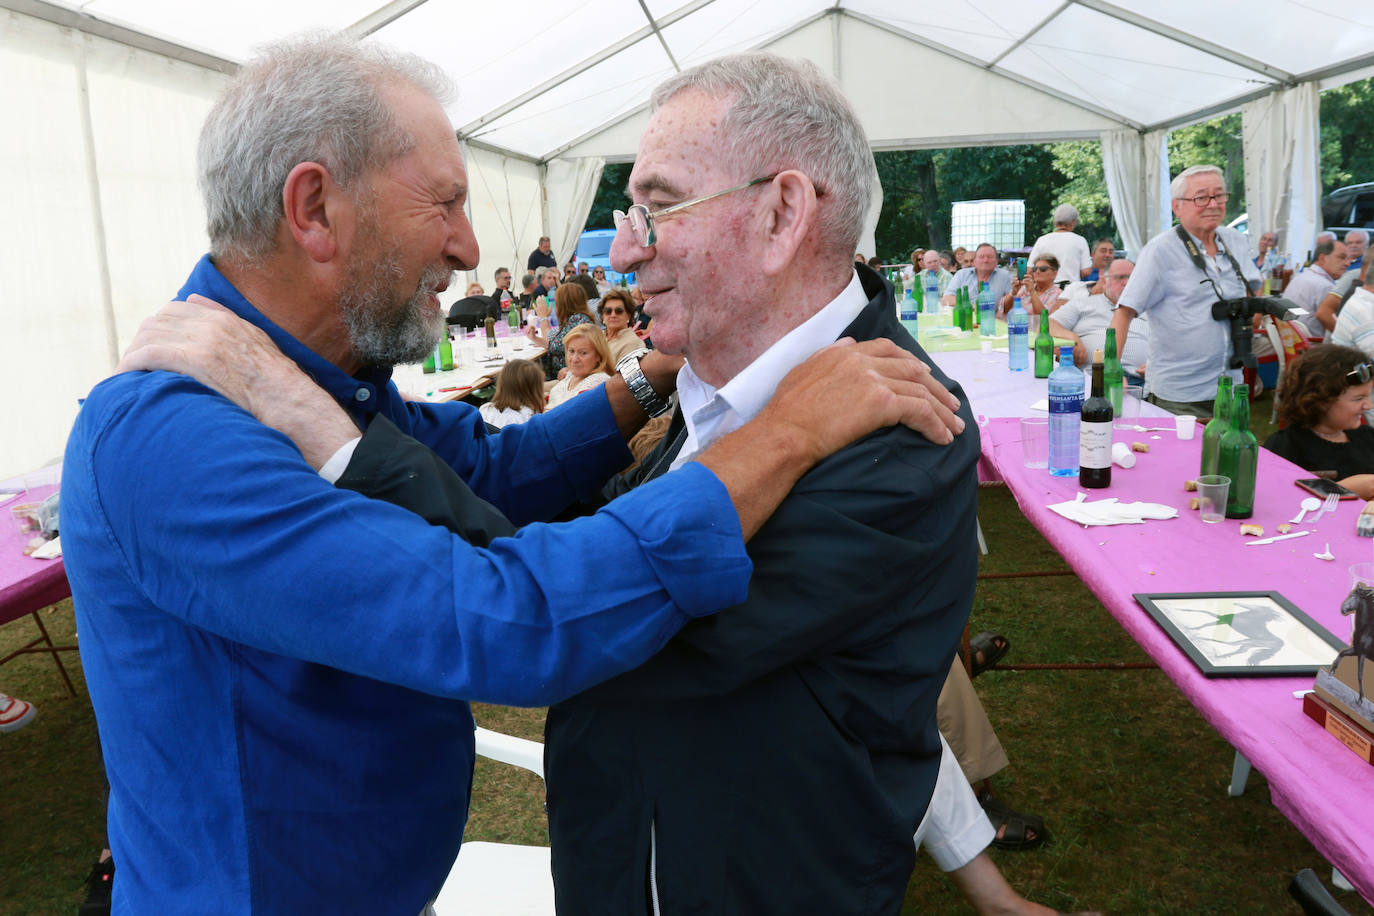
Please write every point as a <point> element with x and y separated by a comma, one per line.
<point>679,151</point>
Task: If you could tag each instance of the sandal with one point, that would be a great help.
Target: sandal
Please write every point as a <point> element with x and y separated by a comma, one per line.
<point>1019,832</point>
<point>990,648</point>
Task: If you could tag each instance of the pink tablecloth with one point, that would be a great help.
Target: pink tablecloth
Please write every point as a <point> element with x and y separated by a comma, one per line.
<point>1324,789</point>
<point>26,584</point>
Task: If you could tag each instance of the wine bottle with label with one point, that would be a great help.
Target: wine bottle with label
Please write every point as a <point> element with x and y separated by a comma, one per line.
<point>1095,434</point>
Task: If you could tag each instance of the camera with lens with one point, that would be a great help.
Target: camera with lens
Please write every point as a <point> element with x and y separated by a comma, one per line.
<point>1240,313</point>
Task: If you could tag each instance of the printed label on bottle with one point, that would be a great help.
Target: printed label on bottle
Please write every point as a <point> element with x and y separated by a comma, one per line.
<point>1095,445</point>
<point>1065,403</point>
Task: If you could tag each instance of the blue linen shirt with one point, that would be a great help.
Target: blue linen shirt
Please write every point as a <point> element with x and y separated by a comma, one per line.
<point>1188,349</point>
<point>999,282</point>
<point>280,668</point>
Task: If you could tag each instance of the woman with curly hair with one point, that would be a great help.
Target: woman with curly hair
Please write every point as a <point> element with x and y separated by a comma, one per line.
<point>1322,400</point>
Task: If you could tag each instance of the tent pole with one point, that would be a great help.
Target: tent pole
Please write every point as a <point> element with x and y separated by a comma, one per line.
<point>102,255</point>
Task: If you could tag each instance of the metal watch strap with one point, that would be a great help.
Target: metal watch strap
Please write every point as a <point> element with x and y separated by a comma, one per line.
<point>644,393</point>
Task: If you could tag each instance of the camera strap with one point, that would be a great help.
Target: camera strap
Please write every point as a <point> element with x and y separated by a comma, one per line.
<point>1198,259</point>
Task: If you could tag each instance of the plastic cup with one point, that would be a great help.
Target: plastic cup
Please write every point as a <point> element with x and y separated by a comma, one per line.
<point>1122,456</point>
<point>1212,490</point>
<point>1362,574</point>
<point>985,346</point>
<point>1186,425</point>
<point>1131,396</point>
<point>1035,441</point>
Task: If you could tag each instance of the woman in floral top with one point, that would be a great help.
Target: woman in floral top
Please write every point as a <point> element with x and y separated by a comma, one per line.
<point>571,303</point>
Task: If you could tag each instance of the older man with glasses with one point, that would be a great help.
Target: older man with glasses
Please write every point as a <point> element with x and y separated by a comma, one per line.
<point>1178,277</point>
<point>1085,319</point>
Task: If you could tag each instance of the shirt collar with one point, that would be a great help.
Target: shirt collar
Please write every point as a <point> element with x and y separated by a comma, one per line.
<point>752,388</point>
<point>362,394</point>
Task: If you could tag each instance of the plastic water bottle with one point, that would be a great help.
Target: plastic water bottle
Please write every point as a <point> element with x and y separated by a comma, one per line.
<point>987,311</point>
<point>908,312</point>
<point>1018,337</point>
<point>1066,402</point>
<point>932,291</point>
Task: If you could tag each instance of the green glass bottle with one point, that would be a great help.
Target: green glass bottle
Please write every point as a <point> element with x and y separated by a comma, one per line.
<point>1239,458</point>
<point>445,360</point>
<point>1044,349</point>
<point>1111,372</point>
<point>918,296</point>
<point>428,367</point>
<point>491,333</point>
<point>965,310</point>
<point>1216,427</point>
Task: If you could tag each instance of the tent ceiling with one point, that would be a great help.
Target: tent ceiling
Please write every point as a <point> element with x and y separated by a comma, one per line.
<point>537,77</point>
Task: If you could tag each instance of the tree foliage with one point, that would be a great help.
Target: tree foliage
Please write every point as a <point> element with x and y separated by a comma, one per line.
<point>610,195</point>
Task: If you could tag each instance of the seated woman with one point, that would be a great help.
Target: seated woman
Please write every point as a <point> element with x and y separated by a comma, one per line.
<point>570,303</point>
<point>1322,397</point>
<point>616,309</point>
<point>1037,291</point>
<point>519,394</point>
<point>589,363</point>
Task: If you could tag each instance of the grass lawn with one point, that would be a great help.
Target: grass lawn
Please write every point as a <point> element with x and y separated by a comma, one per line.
<point>1130,780</point>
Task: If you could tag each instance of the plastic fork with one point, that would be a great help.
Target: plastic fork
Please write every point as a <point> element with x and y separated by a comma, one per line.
<point>1330,504</point>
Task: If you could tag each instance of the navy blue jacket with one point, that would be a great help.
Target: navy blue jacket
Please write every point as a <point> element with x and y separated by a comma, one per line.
<point>783,752</point>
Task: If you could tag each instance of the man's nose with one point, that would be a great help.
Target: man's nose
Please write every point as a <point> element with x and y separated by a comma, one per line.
<point>626,253</point>
<point>461,247</point>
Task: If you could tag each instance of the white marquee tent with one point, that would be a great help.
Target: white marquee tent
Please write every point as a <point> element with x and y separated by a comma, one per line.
<point>102,102</point>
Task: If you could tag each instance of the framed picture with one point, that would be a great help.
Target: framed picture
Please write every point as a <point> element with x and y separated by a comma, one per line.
<point>1243,634</point>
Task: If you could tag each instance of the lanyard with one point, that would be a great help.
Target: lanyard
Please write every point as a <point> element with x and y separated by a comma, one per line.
<point>1196,255</point>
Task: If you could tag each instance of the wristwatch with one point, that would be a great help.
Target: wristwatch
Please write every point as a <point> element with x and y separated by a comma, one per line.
<point>644,393</point>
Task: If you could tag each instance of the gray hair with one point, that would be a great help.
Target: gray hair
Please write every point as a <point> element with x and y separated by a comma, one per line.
<point>1363,236</point>
<point>785,114</point>
<point>313,98</point>
<point>1324,247</point>
<point>1179,186</point>
<point>1065,215</point>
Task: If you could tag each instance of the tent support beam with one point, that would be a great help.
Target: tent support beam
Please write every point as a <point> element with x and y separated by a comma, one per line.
<point>1183,38</point>
<point>581,67</point>
<point>677,68</point>
<point>955,142</point>
<point>1007,74</point>
<point>1026,37</point>
<point>498,150</point>
<point>90,25</point>
<point>381,17</point>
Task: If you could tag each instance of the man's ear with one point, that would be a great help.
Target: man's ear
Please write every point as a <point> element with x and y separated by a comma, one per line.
<point>312,203</point>
<point>790,218</point>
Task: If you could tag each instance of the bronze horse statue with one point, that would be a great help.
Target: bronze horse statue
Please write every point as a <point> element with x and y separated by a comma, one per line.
<point>1360,602</point>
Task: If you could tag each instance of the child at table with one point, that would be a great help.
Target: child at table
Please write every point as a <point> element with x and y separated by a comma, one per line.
<point>519,394</point>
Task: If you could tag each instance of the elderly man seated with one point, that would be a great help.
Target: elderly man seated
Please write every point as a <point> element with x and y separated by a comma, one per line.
<point>1084,320</point>
<point>984,270</point>
<point>1309,288</point>
<point>1103,253</point>
<point>932,268</point>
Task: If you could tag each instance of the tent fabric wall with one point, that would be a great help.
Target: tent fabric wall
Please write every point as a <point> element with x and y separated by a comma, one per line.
<point>63,322</point>
<point>576,181</point>
<point>506,209</point>
<point>1281,141</point>
<point>1136,166</point>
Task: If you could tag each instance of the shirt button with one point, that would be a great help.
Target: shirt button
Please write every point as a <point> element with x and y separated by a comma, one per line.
<point>362,394</point>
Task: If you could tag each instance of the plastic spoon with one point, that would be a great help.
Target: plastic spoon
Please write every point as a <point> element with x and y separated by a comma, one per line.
<point>1309,504</point>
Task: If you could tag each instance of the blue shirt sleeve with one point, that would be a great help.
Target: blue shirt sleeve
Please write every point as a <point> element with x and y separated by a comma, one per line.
<point>183,499</point>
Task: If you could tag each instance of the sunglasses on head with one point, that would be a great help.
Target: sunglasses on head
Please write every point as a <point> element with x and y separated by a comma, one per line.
<point>1360,374</point>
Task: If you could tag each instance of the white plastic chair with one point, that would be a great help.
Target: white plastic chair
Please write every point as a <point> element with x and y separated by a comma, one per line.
<point>500,879</point>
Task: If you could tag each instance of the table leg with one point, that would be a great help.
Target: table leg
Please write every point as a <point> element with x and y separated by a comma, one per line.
<point>1240,774</point>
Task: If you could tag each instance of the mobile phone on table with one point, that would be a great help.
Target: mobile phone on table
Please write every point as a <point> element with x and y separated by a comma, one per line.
<point>1320,486</point>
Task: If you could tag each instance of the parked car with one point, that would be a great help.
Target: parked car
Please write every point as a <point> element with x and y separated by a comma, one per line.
<point>594,247</point>
<point>1241,224</point>
<point>1350,207</point>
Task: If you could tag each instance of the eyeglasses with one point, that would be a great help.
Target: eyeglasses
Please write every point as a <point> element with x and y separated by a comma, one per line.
<point>610,311</point>
<point>1203,200</point>
<point>1360,374</point>
<point>642,219</point>
<point>1041,268</point>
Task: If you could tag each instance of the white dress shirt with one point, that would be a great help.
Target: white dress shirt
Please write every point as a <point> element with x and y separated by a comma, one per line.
<point>713,412</point>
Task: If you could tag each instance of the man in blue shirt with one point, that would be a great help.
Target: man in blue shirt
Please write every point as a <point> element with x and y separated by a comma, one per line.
<point>300,657</point>
<point>984,270</point>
